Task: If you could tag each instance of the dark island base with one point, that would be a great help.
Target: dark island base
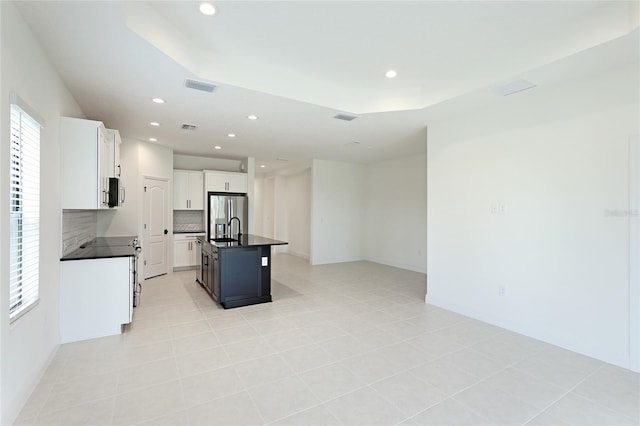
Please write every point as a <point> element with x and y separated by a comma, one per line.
<point>246,302</point>
<point>238,273</point>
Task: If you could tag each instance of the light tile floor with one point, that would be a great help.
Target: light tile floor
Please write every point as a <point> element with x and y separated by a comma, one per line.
<point>350,344</point>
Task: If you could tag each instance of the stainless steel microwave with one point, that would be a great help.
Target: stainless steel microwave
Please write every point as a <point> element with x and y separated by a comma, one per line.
<point>116,193</point>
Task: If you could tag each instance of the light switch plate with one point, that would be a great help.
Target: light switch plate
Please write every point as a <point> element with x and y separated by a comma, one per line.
<point>265,261</point>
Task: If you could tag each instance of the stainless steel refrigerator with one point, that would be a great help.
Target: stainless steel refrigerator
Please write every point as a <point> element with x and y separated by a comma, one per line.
<point>222,207</point>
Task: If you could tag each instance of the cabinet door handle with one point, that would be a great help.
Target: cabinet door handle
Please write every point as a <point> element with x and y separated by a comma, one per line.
<point>124,194</point>
<point>119,170</point>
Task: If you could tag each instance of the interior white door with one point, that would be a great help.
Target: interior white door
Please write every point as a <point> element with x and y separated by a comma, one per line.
<point>156,227</point>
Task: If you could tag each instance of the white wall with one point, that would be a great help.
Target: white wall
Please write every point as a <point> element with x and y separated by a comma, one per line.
<point>557,159</point>
<point>298,189</point>
<point>283,210</point>
<point>264,208</point>
<point>379,211</point>
<point>280,212</point>
<point>337,211</point>
<point>251,187</point>
<point>396,213</point>
<point>27,346</point>
<point>155,161</point>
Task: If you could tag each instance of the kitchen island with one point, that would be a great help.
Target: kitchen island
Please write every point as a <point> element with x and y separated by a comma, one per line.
<point>237,272</point>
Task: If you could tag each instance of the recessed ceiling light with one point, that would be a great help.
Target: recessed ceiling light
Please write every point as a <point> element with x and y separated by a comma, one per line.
<point>252,117</point>
<point>391,74</point>
<point>153,140</point>
<point>154,123</point>
<point>207,8</point>
<point>158,100</point>
<point>217,147</point>
<point>232,135</point>
<point>262,166</point>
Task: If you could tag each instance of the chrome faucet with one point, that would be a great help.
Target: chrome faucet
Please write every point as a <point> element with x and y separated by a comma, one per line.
<point>239,227</point>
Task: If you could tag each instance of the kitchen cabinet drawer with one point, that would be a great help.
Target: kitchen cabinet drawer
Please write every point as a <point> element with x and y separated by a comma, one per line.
<point>226,182</point>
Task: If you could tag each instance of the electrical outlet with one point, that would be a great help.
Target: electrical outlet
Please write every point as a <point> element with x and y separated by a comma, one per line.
<point>502,290</point>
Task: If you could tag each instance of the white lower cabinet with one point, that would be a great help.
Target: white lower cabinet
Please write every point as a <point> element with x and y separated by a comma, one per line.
<point>96,297</point>
<point>185,253</point>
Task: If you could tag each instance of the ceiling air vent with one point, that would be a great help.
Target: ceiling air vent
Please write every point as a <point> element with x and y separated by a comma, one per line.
<point>200,85</point>
<point>344,116</point>
<point>188,127</point>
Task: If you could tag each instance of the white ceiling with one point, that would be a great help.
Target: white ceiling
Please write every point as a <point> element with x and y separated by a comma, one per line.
<point>296,64</point>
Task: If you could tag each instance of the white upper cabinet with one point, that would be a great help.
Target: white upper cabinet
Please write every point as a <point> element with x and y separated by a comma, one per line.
<point>226,182</point>
<point>188,190</point>
<point>86,155</point>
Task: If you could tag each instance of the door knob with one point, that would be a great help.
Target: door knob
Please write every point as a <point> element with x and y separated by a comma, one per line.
<point>166,232</point>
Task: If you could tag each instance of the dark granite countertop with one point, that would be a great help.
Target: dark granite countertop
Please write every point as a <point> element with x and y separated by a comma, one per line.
<point>247,240</point>
<point>103,247</point>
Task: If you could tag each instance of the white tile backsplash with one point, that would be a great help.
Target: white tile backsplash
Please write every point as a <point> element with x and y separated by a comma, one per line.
<point>78,227</point>
<point>188,220</point>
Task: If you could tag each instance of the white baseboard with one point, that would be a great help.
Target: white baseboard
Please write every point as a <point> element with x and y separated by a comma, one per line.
<point>330,261</point>
<point>299,254</point>
<point>421,269</point>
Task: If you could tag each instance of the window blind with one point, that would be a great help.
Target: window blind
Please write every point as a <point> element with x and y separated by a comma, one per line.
<point>24,204</point>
